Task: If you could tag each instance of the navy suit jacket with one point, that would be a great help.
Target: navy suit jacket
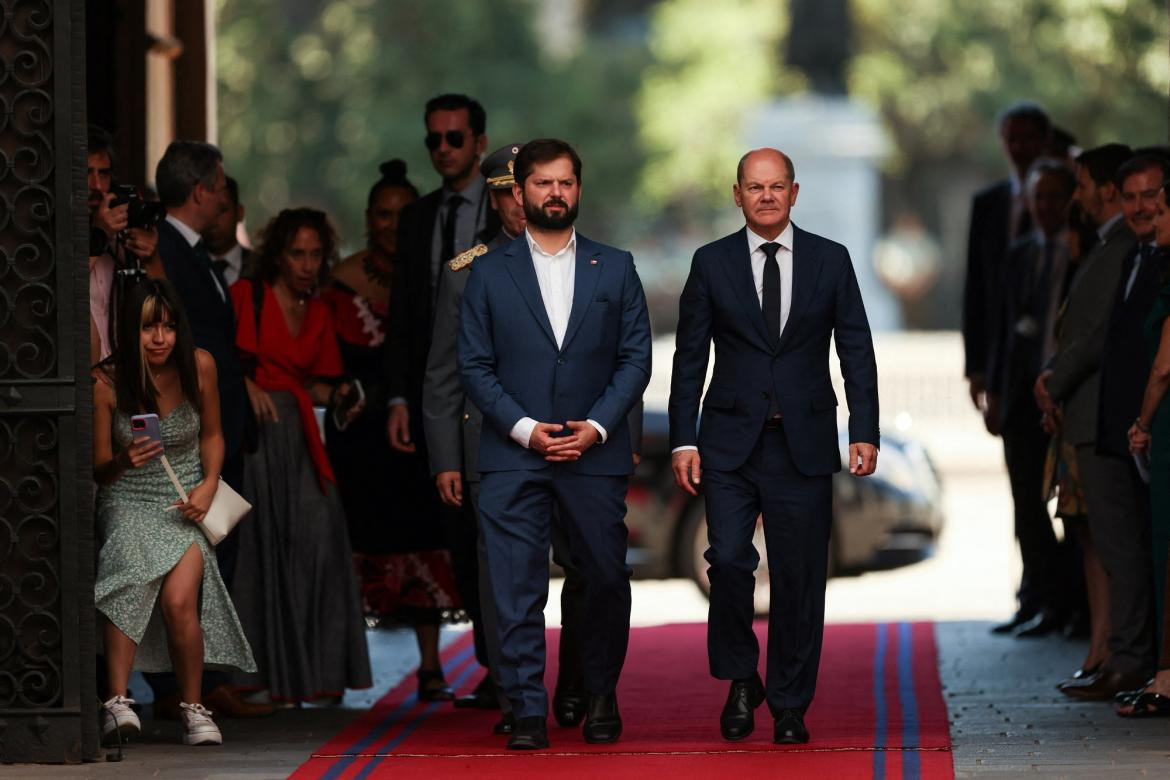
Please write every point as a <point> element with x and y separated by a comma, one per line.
<point>512,368</point>
<point>719,303</point>
<point>213,326</point>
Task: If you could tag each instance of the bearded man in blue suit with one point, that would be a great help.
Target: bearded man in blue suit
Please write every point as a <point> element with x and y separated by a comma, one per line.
<point>554,348</point>
<point>771,297</point>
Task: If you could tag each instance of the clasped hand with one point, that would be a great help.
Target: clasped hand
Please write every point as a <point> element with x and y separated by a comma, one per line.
<point>559,449</point>
<point>198,501</point>
<point>1139,440</point>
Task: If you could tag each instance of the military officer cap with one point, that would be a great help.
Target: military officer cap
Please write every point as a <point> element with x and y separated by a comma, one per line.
<point>497,167</point>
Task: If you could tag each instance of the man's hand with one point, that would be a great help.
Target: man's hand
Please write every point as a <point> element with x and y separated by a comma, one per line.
<point>1050,421</point>
<point>583,437</point>
<point>993,415</point>
<point>450,485</point>
<point>142,243</point>
<point>862,459</point>
<point>111,220</point>
<point>687,470</point>
<point>637,460</point>
<point>398,428</point>
<point>976,387</point>
<point>542,439</point>
<point>1139,440</point>
<point>1040,391</point>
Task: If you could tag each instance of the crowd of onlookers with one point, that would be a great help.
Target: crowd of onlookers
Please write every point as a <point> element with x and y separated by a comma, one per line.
<point>237,350</point>
<point>1067,341</point>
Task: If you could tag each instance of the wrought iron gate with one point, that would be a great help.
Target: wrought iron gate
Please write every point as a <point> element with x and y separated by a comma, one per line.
<point>47,684</point>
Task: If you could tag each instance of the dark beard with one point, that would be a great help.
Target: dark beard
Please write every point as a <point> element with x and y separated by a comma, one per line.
<point>538,218</point>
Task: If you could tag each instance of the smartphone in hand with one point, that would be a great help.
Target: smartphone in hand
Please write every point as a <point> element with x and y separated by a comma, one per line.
<point>145,425</point>
<point>351,399</point>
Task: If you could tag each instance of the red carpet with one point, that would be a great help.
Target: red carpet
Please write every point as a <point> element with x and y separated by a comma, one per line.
<point>878,713</point>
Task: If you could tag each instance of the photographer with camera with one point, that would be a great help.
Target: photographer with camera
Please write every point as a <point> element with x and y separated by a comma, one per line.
<point>123,240</point>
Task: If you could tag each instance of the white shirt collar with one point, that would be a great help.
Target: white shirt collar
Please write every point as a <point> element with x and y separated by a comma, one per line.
<point>534,247</point>
<point>190,235</point>
<point>755,240</point>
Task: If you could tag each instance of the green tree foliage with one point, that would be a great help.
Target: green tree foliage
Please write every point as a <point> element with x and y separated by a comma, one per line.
<point>939,72</point>
<point>314,95</point>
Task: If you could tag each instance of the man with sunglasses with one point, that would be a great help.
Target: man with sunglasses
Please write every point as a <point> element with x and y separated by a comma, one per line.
<point>432,230</point>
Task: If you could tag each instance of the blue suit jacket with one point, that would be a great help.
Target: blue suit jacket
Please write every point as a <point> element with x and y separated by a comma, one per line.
<point>719,303</point>
<point>512,368</point>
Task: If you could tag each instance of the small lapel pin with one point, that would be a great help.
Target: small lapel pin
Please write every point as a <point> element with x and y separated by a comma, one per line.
<point>594,261</point>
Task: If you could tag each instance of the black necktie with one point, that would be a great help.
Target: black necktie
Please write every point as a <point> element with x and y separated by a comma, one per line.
<point>220,265</point>
<point>448,248</point>
<point>771,302</point>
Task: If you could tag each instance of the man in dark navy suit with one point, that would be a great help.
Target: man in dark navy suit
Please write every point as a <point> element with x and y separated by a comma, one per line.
<point>771,296</point>
<point>554,349</point>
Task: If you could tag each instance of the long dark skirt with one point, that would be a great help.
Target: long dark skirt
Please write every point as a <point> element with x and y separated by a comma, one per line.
<point>295,588</point>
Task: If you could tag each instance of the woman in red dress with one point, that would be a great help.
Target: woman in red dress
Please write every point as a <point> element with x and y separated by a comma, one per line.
<point>295,588</point>
<point>404,570</point>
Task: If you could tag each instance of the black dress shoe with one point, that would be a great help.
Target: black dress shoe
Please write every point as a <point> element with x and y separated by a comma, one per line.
<point>504,725</point>
<point>486,696</point>
<point>569,704</point>
<point>789,728</point>
<point>1017,620</point>
<point>738,720</point>
<point>1042,624</point>
<point>529,734</point>
<point>603,723</point>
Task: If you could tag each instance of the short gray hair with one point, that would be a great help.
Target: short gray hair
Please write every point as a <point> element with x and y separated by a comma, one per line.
<point>185,164</point>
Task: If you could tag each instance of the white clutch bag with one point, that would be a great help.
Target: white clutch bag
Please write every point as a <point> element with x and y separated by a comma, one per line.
<point>227,508</point>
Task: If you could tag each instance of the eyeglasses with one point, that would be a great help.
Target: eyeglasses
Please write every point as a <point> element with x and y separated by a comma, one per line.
<point>455,139</point>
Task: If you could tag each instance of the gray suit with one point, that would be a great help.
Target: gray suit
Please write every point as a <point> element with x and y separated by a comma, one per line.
<point>1117,501</point>
<point>1075,380</point>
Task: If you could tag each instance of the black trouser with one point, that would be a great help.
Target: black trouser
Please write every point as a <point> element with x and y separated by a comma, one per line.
<point>460,536</point>
<point>798,514</point>
<point>1119,520</point>
<point>1025,449</point>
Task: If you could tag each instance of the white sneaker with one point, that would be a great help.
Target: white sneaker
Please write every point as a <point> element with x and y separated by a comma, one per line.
<point>199,728</point>
<point>119,722</point>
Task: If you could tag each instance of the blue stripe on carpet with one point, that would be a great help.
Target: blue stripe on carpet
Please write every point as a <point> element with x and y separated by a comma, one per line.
<point>879,701</point>
<point>911,761</point>
<point>390,720</point>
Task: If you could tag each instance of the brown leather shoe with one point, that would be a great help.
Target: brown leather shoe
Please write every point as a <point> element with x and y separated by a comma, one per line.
<point>226,702</point>
<point>1102,686</point>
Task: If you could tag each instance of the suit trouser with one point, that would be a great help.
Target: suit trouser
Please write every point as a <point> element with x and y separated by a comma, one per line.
<point>1119,520</point>
<point>1025,449</point>
<point>572,606</point>
<point>798,514</point>
<point>226,552</point>
<point>516,509</point>
<point>461,534</point>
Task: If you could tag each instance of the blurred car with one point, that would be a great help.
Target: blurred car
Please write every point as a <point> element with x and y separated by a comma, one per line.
<point>891,518</point>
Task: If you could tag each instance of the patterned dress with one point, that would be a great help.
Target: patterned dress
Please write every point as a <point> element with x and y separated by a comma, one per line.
<point>141,541</point>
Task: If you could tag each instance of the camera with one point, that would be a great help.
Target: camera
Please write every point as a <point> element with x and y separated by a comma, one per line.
<point>140,213</point>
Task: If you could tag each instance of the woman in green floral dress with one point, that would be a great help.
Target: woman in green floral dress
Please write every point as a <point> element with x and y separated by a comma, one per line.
<point>158,585</point>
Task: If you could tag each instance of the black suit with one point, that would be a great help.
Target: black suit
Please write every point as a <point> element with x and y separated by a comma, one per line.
<point>1016,361</point>
<point>1120,518</point>
<point>987,244</point>
<point>750,464</point>
<point>408,341</point>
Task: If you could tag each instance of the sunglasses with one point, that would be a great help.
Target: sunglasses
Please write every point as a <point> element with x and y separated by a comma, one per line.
<point>455,139</point>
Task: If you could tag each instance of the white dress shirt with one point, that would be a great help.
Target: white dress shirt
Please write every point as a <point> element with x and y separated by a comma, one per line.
<point>234,258</point>
<point>758,258</point>
<point>194,238</point>
<point>555,274</point>
<point>783,258</point>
